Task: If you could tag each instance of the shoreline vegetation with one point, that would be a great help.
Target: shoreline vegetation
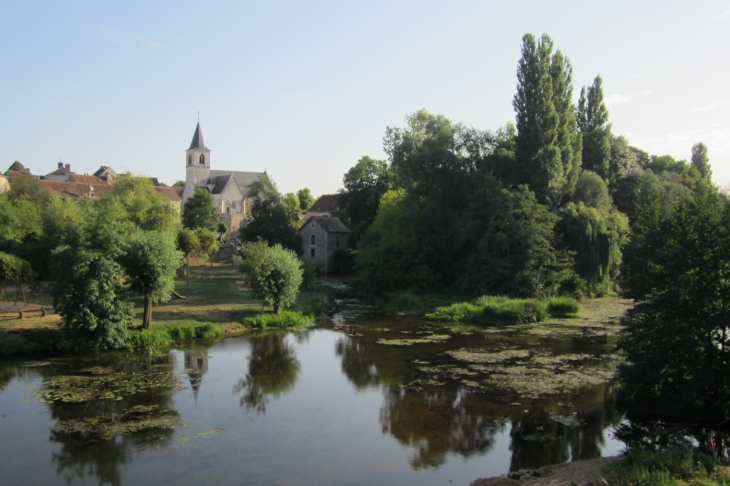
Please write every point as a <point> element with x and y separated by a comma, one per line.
<point>215,304</point>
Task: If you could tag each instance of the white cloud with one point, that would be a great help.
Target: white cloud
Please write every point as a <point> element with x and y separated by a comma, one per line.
<point>616,99</point>
<point>712,107</point>
<point>724,15</point>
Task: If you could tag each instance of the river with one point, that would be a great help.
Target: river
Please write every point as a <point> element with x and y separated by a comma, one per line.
<point>356,400</point>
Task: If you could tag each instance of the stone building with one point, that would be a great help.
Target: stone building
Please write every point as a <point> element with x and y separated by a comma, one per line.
<point>230,189</point>
<point>322,238</point>
<point>4,184</point>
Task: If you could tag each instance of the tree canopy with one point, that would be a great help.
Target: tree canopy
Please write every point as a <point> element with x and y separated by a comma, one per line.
<point>269,219</point>
<point>199,211</point>
<point>273,272</point>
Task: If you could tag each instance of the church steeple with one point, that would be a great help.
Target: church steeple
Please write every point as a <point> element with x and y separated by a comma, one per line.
<point>198,142</point>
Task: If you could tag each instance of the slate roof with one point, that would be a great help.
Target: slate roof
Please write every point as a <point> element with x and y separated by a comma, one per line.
<point>197,142</point>
<point>220,178</point>
<point>326,203</point>
<point>328,223</point>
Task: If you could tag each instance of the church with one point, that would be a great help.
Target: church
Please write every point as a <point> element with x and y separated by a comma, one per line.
<point>230,189</point>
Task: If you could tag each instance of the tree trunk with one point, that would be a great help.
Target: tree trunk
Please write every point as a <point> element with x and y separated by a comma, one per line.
<point>22,289</point>
<point>262,308</point>
<point>276,307</point>
<point>187,273</point>
<point>147,318</point>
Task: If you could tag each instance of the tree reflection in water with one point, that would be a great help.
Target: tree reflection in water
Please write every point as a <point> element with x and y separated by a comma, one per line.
<point>436,423</point>
<point>85,454</point>
<point>273,370</point>
<point>436,420</point>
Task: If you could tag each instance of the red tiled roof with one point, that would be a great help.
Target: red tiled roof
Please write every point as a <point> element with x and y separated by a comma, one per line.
<point>14,175</point>
<point>169,192</point>
<point>87,179</point>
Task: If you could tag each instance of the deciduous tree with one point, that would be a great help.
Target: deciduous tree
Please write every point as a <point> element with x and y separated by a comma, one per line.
<point>274,273</point>
<point>199,211</point>
<point>596,131</point>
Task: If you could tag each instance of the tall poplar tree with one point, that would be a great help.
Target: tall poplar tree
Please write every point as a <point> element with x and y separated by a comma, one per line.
<point>701,161</point>
<point>548,145</point>
<point>596,131</point>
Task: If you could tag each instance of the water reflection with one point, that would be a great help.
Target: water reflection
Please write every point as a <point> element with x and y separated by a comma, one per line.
<point>196,365</point>
<point>273,370</point>
<point>95,436</point>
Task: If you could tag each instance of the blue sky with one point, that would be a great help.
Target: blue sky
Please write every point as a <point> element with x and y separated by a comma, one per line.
<point>303,89</point>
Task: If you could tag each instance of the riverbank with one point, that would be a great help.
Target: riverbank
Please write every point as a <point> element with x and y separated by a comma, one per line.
<point>589,472</point>
<point>214,296</point>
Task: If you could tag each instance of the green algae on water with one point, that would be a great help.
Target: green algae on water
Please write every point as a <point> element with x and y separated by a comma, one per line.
<point>134,419</point>
<point>409,342</point>
<point>211,432</point>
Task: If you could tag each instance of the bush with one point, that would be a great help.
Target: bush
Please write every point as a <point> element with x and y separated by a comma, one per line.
<point>163,336</point>
<point>503,311</point>
<point>149,339</point>
<point>563,306</point>
<point>675,466</point>
<point>284,319</point>
<point>318,304</point>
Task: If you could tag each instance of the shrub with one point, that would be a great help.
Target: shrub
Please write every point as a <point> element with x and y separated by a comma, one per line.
<point>283,319</point>
<point>562,306</point>
<point>149,339</point>
<point>674,466</point>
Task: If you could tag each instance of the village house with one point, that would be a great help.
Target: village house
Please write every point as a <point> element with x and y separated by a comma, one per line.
<point>322,238</point>
<point>326,205</point>
<point>4,184</point>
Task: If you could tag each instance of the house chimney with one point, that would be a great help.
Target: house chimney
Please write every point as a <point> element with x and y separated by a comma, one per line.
<point>68,167</point>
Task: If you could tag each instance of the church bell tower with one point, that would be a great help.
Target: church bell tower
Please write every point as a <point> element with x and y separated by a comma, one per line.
<point>197,164</point>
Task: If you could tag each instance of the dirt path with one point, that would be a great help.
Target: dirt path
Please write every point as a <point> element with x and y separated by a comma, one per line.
<point>580,473</point>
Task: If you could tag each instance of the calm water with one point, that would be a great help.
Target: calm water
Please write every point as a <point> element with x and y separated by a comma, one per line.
<point>330,405</point>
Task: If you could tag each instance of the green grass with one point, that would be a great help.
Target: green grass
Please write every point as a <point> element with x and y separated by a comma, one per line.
<point>164,335</point>
<point>504,311</point>
<point>670,467</point>
<point>284,319</point>
<point>317,302</point>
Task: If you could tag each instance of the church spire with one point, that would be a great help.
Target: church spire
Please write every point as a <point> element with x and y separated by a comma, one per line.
<point>198,142</point>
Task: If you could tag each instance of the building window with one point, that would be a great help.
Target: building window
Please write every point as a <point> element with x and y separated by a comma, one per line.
<point>228,209</point>
<point>202,159</point>
<point>337,241</point>
<point>311,253</point>
<point>312,239</point>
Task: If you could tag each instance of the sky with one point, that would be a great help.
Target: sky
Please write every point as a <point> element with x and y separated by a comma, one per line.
<point>304,89</point>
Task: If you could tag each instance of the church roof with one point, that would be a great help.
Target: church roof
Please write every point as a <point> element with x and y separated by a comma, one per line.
<point>220,183</point>
<point>242,178</point>
<point>198,142</point>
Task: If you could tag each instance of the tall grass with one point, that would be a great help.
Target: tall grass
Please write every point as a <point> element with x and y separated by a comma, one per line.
<point>285,319</point>
<point>503,311</point>
<point>674,466</point>
<point>164,335</point>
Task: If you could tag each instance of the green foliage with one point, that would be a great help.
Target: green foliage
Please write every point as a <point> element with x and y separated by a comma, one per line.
<point>499,311</point>
<point>675,466</point>
<point>179,184</point>
<point>548,145</point>
<point>269,219</point>
<point>596,236</point>
<point>291,203</point>
<point>592,191</point>
<point>701,161</point>
<point>199,211</point>
<point>17,166</point>
<point>150,259</point>
<point>274,273</point>
<point>305,198</point>
<point>160,337</point>
<point>135,205</point>
<point>14,270</point>
<point>596,131</point>
<point>318,303</point>
<point>677,344</point>
<point>309,272</point>
<point>187,242</point>
<point>207,243</point>
<point>507,240</point>
<point>221,230</point>
<point>87,297</point>
<point>149,340</point>
<point>391,254</point>
<point>562,306</point>
<point>19,220</point>
<point>285,319</point>
<point>364,185</point>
